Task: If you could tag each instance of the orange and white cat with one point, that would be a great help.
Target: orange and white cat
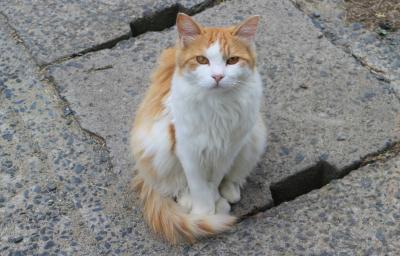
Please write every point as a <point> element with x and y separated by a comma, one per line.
<point>198,132</point>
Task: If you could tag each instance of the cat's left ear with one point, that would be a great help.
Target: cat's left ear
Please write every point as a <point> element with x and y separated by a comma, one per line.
<point>247,29</point>
<point>188,29</point>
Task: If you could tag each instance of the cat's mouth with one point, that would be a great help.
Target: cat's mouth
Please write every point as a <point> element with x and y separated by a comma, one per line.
<point>219,86</point>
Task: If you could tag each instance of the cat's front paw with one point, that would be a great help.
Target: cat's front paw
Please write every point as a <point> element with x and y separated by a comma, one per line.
<point>199,209</point>
<point>222,206</point>
<point>230,191</point>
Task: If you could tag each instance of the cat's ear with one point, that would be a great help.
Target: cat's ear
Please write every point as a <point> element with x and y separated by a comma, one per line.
<point>247,29</point>
<point>188,29</point>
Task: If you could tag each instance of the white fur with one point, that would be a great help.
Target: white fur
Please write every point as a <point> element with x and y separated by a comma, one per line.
<point>212,125</point>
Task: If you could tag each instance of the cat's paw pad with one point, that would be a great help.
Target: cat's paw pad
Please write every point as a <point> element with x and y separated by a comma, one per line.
<point>230,191</point>
<point>185,201</point>
<point>222,206</point>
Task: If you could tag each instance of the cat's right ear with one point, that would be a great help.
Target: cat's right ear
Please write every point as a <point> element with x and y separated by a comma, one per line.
<point>188,29</point>
<point>247,29</point>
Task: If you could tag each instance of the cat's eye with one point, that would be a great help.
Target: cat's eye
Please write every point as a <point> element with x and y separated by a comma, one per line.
<point>232,60</point>
<point>202,60</point>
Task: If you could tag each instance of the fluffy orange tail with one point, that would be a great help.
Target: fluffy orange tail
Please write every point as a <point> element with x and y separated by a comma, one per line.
<point>166,218</point>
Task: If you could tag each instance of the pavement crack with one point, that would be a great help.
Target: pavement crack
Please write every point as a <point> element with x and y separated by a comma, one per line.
<point>16,37</point>
<point>332,38</point>
<point>319,175</point>
<point>165,18</point>
<point>99,68</point>
<point>382,155</point>
<point>156,21</point>
<point>380,74</point>
<point>69,113</point>
<point>106,45</point>
<point>303,182</point>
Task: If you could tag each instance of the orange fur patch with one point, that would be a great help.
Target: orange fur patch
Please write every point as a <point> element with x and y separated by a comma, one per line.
<point>153,104</point>
<point>205,227</point>
<point>171,132</point>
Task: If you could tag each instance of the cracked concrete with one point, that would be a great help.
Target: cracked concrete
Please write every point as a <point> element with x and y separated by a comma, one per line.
<point>63,192</point>
<point>380,55</point>
<point>357,215</point>
<point>55,30</point>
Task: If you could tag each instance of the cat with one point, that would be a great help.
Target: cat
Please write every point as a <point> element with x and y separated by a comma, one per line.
<point>199,132</point>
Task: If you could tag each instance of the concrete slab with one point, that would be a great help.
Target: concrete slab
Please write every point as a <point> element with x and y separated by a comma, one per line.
<point>56,29</point>
<point>380,54</point>
<point>324,110</point>
<point>357,215</point>
<point>57,193</point>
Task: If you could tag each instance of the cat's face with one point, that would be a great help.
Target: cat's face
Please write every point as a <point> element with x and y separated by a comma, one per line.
<point>216,58</point>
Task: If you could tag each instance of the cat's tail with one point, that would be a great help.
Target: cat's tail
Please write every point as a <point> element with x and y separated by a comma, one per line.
<point>166,218</point>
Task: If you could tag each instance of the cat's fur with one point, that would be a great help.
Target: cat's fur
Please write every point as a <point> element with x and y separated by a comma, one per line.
<point>198,132</point>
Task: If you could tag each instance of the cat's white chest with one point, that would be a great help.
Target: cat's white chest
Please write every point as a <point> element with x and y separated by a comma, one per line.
<point>214,124</point>
<point>211,128</point>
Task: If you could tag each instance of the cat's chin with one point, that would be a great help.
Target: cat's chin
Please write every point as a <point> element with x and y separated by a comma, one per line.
<point>219,87</point>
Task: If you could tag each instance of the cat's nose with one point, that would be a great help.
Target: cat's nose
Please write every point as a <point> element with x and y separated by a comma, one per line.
<point>217,77</point>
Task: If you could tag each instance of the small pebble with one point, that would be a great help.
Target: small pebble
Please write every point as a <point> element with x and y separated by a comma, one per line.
<point>356,26</point>
<point>324,157</point>
<point>68,111</point>
<point>299,157</point>
<point>49,244</point>
<point>304,86</point>
<point>8,136</point>
<point>8,164</point>
<point>341,137</point>
<point>76,180</point>
<point>284,151</point>
<point>78,168</point>
<point>16,239</point>
<point>37,189</point>
<point>386,25</point>
<point>51,186</point>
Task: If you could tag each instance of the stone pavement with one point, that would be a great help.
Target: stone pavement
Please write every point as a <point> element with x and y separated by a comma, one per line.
<point>53,30</point>
<point>72,75</point>
<point>379,54</point>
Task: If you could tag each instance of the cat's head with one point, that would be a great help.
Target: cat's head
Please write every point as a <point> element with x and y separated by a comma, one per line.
<point>216,57</point>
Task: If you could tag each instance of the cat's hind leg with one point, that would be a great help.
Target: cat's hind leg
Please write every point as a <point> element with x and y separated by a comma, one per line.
<point>244,163</point>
